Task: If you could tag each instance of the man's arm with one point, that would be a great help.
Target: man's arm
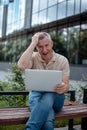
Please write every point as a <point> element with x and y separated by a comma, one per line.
<point>64,86</point>
<point>25,60</point>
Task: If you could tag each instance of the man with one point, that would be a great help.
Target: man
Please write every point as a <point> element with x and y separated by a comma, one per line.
<point>44,105</point>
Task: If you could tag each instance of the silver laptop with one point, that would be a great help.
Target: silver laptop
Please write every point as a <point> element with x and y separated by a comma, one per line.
<point>42,80</point>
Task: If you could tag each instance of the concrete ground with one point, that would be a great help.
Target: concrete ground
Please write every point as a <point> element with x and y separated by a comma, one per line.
<point>4,75</point>
<point>77,127</point>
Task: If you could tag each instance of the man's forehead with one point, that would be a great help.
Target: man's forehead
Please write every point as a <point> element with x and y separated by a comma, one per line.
<point>44,41</point>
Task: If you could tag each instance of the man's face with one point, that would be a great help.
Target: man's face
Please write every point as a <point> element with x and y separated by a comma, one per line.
<point>44,47</point>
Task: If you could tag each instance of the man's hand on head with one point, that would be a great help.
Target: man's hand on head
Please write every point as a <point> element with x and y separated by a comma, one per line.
<point>35,38</point>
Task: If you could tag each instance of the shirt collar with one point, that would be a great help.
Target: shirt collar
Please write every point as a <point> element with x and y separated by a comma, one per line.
<point>53,59</point>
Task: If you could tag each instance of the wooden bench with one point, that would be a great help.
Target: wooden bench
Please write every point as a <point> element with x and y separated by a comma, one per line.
<point>19,115</point>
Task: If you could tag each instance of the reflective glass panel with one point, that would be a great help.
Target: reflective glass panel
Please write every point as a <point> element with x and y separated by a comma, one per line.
<point>83,47</point>
<point>15,18</point>
<point>43,4</point>
<point>61,0</point>
<point>35,6</point>
<point>63,36</point>
<point>52,2</point>
<point>52,11</point>
<point>42,17</point>
<point>1,19</point>
<point>73,44</point>
<point>62,10</point>
<point>84,27</point>
<point>83,5</point>
<point>10,14</point>
<point>4,2</point>
<point>35,19</point>
<point>60,42</point>
<point>77,6</point>
<point>70,7</point>
<point>10,19</point>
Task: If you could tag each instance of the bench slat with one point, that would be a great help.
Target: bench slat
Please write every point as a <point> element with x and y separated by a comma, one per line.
<point>70,112</point>
<point>13,116</point>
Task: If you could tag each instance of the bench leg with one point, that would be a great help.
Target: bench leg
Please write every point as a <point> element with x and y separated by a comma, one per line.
<point>84,123</point>
<point>70,125</point>
<point>84,120</point>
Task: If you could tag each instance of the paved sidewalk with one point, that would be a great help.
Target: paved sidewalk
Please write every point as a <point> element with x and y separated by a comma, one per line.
<point>4,75</point>
<point>78,127</point>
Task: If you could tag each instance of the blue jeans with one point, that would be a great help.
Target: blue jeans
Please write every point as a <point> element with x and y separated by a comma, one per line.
<point>43,107</point>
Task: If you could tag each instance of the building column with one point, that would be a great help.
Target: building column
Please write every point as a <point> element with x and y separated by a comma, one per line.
<point>4,23</point>
<point>28,14</point>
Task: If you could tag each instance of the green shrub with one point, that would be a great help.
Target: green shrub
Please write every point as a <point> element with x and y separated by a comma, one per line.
<point>15,82</point>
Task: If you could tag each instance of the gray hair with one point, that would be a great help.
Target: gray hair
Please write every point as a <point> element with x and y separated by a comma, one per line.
<point>43,35</point>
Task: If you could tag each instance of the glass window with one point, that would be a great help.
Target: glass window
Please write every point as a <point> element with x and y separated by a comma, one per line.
<point>21,15</point>
<point>35,6</point>
<point>84,27</point>
<point>15,18</point>
<point>70,7</point>
<point>62,34</point>
<point>77,6</point>
<point>59,41</point>
<point>1,19</point>
<point>83,48</point>
<point>43,4</point>
<point>52,2</point>
<point>35,19</point>
<point>52,13</point>
<point>21,9</point>
<point>42,17</point>
<point>61,0</point>
<point>9,18</point>
<point>10,12</point>
<point>83,5</point>
<point>52,31</point>
<point>4,2</point>
<point>73,44</point>
<point>62,10</point>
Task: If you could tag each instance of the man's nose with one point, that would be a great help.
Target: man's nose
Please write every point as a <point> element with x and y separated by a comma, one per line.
<point>44,49</point>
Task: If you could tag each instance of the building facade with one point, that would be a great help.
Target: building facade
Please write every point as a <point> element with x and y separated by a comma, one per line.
<point>65,20</point>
